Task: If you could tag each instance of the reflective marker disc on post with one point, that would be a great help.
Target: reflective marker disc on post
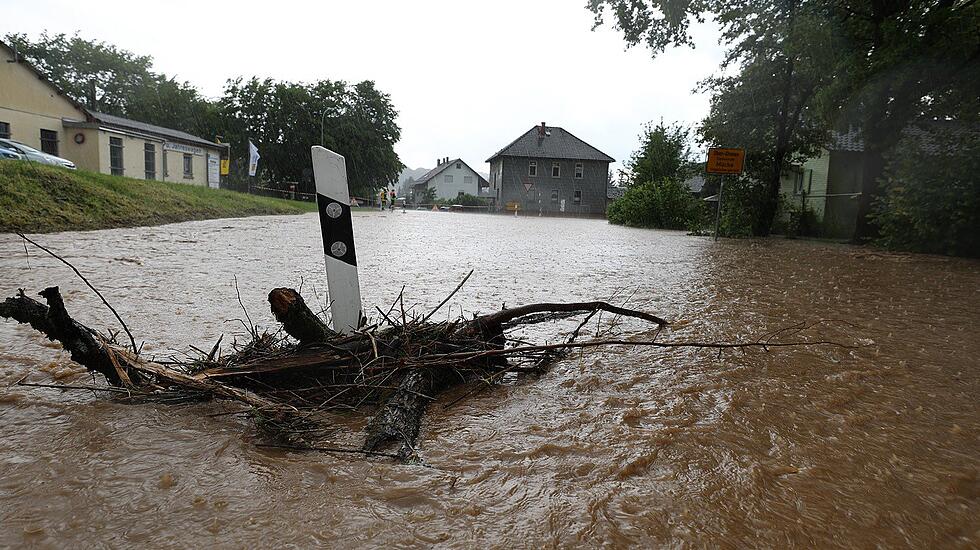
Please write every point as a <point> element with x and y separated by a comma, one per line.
<point>333,202</point>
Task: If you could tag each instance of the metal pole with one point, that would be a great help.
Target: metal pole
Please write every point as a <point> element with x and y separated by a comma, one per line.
<point>718,212</point>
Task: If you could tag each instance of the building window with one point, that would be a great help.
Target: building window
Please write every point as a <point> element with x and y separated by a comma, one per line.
<point>468,180</point>
<point>448,179</point>
<point>532,168</point>
<point>554,196</point>
<point>49,142</point>
<point>577,198</point>
<point>150,160</point>
<point>115,156</point>
<point>556,169</point>
<point>188,166</point>
<point>579,171</point>
<point>459,165</point>
<point>5,130</point>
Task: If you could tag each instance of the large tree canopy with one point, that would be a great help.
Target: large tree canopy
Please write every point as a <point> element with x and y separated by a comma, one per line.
<point>284,119</point>
<point>794,68</point>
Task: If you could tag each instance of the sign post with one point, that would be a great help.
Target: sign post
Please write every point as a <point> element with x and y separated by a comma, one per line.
<point>724,161</point>
<point>333,203</point>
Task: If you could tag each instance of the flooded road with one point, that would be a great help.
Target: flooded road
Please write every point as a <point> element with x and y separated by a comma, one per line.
<point>877,446</point>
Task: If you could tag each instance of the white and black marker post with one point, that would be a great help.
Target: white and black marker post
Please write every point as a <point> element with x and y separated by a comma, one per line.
<point>333,202</point>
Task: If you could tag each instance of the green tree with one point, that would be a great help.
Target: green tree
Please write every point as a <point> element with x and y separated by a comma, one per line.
<point>284,119</point>
<point>664,153</point>
<point>904,60</point>
<point>930,202</point>
<point>891,62</point>
<point>765,107</point>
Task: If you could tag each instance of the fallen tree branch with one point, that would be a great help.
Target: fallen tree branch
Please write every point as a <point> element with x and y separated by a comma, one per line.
<point>132,340</point>
<point>393,369</point>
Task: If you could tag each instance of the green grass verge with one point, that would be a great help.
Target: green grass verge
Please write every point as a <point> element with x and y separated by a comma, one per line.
<point>44,199</point>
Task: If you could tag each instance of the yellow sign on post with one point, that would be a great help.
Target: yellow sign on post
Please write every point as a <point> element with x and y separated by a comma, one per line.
<point>725,161</point>
<point>225,165</point>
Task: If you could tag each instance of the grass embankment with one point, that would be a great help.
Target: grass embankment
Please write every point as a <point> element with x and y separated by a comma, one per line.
<point>44,199</point>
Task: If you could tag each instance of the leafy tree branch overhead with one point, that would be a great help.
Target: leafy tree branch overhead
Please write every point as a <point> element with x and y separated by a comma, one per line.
<point>795,70</point>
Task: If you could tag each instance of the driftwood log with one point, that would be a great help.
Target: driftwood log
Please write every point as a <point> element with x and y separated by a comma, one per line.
<point>290,383</point>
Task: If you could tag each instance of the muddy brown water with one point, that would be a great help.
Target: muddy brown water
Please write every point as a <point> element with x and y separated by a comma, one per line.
<point>811,447</point>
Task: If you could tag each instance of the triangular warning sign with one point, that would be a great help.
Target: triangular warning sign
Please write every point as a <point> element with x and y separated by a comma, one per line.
<point>527,186</point>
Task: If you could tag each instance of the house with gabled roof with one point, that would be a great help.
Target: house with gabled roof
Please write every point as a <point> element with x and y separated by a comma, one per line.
<point>450,179</point>
<point>36,113</point>
<point>547,170</point>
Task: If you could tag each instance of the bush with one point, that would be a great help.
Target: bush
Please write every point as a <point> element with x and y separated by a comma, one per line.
<point>930,203</point>
<point>667,204</point>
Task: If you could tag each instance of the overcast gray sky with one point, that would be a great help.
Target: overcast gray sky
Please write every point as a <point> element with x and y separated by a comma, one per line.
<point>466,77</point>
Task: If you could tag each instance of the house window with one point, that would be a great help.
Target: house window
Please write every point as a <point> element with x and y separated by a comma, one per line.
<point>49,142</point>
<point>448,179</point>
<point>5,130</point>
<point>579,171</point>
<point>459,165</point>
<point>554,196</point>
<point>532,168</point>
<point>115,156</point>
<point>468,180</point>
<point>556,169</point>
<point>150,160</point>
<point>188,166</point>
<point>577,198</point>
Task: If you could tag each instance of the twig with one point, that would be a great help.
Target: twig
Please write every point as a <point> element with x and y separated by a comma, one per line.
<point>451,294</point>
<point>468,356</point>
<point>132,340</point>
<point>251,326</point>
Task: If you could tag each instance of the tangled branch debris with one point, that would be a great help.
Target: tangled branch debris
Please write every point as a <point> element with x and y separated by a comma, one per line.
<point>292,383</point>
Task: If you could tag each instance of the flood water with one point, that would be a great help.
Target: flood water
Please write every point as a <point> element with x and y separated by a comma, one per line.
<point>877,446</point>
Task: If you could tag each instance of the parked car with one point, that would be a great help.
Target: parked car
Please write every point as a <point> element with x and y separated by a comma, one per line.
<point>32,154</point>
<point>10,154</point>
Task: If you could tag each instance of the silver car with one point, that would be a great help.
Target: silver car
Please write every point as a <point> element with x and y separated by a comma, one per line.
<point>32,154</point>
<point>10,154</point>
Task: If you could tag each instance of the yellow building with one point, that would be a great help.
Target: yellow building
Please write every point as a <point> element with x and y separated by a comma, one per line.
<point>36,113</point>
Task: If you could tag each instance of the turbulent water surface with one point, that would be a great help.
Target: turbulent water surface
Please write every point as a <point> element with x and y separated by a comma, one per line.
<point>798,447</point>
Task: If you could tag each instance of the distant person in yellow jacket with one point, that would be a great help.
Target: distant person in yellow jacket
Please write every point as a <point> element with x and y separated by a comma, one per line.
<point>382,199</point>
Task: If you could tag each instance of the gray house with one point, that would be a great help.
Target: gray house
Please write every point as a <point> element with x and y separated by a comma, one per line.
<point>547,170</point>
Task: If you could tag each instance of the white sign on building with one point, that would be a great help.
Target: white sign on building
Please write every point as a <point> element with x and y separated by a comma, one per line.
<point>214,171</point>
<point>171,146</point>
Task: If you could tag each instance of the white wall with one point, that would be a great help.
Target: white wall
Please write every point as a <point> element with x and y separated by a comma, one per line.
<point>451,190</point>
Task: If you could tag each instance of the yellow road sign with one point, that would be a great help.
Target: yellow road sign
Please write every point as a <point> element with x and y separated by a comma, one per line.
<point>725,161</point>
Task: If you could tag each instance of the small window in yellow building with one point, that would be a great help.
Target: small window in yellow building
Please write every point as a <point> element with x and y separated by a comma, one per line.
<point>188,166</point>
<point>150,160</point>
<point>116,156</point>
<point>4,130</point>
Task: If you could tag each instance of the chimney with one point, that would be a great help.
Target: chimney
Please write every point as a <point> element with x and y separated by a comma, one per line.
<point>438,162</point>
<point>541,130</point>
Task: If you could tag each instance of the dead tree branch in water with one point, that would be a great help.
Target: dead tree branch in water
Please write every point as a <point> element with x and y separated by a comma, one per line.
<point>132,340</point>
<point>292,384</point>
